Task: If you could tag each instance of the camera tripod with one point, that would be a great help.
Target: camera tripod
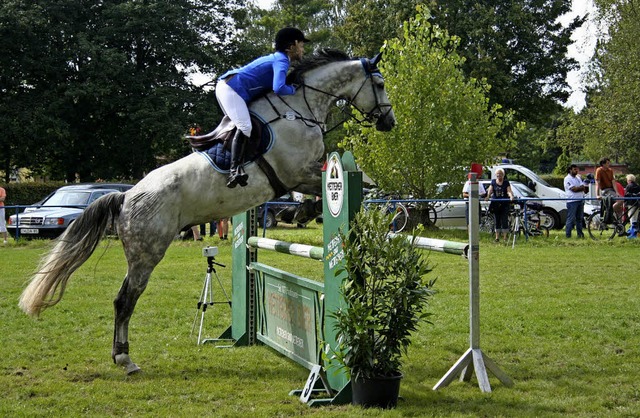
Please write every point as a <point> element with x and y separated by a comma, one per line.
<point>206,297</point>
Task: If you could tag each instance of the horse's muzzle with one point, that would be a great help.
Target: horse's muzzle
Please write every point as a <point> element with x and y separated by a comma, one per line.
<point>386,121</point>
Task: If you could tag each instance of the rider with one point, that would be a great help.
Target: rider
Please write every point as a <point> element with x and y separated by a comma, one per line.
<point>238,87</point>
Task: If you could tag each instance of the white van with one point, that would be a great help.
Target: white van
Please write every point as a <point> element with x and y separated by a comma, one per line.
<point>555,208</point>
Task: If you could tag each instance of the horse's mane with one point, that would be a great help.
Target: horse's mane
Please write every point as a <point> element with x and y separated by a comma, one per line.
<point>315,60</point>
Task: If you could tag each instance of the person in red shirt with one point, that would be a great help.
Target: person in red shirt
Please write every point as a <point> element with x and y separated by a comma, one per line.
<point>605,184</point>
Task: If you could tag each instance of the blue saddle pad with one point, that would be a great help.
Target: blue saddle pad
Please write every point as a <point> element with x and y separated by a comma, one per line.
<point>220,158</point>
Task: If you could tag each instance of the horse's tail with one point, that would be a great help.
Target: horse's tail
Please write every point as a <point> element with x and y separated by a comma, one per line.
<point>72,249</point>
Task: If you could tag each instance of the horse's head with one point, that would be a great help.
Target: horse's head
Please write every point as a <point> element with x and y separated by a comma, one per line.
<point>329,75</point>
<point>371,100</point>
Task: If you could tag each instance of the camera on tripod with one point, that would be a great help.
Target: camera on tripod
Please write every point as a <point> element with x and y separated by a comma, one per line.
<point>210,251</point>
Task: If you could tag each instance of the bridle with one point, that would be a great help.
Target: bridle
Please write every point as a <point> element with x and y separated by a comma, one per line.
<point>380,109</point>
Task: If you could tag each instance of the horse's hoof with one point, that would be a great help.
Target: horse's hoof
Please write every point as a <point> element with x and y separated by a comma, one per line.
<point>124,361</point>
<point>132,368</point>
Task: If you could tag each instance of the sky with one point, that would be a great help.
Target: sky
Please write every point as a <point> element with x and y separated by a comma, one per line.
<point>584,41</point>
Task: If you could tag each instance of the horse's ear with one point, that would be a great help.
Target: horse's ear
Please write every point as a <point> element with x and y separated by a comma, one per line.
<point>376,59</point>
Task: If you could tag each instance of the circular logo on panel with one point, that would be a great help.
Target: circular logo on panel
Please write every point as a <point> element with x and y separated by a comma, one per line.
<point>334,185</point>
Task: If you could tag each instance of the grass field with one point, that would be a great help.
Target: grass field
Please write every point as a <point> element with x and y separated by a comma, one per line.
<point>560,317</point>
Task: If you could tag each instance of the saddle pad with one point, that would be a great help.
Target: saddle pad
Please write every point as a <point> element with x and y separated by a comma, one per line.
<point>220,158</point>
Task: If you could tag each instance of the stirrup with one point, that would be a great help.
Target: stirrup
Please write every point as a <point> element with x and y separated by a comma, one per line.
<point>237,176</point>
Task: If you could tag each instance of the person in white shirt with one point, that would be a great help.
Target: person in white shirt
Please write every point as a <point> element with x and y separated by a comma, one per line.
<point>575,189</point>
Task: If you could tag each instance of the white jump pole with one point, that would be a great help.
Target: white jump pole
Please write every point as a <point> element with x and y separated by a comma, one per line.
<point>474,358</point>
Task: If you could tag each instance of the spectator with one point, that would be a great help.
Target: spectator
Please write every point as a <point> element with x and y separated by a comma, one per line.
<point>499,190</point>
<point>212,229</point>
<point>223,228</point>
<point>575,188</point>
<point>482,193</point>
<point>632,190</point>
<point>196,234</point>
<point>605,183</point>
<point>3,226</point>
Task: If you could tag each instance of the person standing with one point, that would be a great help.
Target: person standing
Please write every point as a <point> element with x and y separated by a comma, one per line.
<point>632,190</point>
<point>605,184</point>
<point>3,226</point>
<point>238,87</point>
<point>482,193</point>
<point>499,190</point>
<point>223,228</point>
<point>575,189</point>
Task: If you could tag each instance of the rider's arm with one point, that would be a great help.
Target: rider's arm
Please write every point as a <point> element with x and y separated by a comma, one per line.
<point>280,68</point>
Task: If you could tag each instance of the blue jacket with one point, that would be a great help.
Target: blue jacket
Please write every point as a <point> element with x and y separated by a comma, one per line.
<point>268,73</point>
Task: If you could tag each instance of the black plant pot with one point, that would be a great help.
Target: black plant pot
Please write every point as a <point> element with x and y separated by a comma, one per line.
<point>378,392</point>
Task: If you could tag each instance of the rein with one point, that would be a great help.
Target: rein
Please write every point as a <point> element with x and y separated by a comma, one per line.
<point>369,117</point>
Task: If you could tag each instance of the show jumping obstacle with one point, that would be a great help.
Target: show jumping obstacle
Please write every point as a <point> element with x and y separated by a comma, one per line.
<point>289,313</point>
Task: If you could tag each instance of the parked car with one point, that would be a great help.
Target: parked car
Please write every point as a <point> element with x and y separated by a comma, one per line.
<point>451,213</point>
<point>556,208</point>
<point>281,209</point>
<point>52,216</point>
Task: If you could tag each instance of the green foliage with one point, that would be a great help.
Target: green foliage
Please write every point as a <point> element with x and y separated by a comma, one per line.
<point>444,121</point>
<point>102,90</point>
<point>368,23</point>
<point>564,161</point>
<point>385,295</point>
<point>519,47</point>
<point>609,125</point>
<point>28,193</point>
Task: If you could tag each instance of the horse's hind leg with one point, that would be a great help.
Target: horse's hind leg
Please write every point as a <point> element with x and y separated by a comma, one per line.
<point>134,284</point>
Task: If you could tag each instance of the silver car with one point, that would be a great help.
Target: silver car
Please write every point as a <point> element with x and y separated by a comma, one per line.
<point>50,217</point>
<point>452,213</point>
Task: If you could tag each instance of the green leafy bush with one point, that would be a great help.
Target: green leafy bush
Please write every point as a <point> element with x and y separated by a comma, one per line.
<point>385,294</point>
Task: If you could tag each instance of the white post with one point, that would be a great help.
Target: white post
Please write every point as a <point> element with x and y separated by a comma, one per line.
<point>474,358</point>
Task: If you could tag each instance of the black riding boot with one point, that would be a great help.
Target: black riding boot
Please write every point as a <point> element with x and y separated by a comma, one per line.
<point>236,172</point>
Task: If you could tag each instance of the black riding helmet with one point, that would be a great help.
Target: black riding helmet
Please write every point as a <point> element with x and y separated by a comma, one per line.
<point>287,36</point>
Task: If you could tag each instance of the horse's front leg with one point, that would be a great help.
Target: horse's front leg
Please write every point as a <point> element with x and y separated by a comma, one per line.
<point>124,305</point>
<point>312,183</point>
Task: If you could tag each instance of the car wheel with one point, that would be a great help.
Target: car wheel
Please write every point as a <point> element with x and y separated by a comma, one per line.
<point>553,220</point>
<point>270,220</point>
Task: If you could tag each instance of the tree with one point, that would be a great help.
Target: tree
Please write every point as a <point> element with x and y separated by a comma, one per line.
<point>444,119</point>
<point>609,125</point>
<point>106,82</point>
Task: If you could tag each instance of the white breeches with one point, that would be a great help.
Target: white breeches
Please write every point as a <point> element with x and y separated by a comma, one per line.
<point>234,106</point>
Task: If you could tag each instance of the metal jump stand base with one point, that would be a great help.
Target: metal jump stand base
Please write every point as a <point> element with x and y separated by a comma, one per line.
<point>474,359</point>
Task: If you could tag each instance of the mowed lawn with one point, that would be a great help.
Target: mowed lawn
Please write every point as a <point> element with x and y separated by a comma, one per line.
<point>561,318</point>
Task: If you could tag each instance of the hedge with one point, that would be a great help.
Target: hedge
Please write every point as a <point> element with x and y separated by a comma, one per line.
<point>29,193</point>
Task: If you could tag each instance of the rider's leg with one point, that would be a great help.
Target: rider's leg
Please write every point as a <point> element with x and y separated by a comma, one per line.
<point>236,108</point>
<point>236,172</point>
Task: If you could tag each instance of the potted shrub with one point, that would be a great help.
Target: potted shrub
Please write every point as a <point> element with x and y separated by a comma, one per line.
<point>385,295</point>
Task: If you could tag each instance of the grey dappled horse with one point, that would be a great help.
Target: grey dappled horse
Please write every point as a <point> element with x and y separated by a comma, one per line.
<point>190,192</point>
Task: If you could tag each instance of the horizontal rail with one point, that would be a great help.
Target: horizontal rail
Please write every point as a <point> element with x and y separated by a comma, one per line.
<point>302,250</point>
<point>432,244</point>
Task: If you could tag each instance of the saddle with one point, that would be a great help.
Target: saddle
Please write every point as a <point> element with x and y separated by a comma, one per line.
<point>217,143</point>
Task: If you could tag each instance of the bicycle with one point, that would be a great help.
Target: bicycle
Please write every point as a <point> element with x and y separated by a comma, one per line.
<point>400,213</point>
<point>537,223</point>
<point>487,221</point>
<point>599,229</point>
